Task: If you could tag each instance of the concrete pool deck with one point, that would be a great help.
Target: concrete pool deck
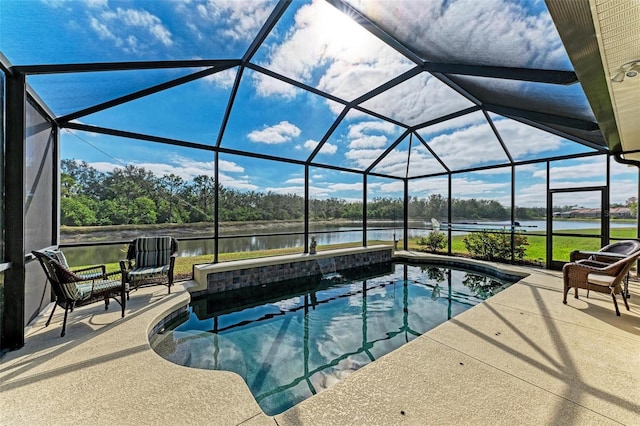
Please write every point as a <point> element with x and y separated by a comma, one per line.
<point>521,357</point>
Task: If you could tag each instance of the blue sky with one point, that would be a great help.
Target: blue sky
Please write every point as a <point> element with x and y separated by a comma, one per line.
<point>316,44</point>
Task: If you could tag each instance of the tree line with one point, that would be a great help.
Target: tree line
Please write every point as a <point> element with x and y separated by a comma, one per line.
<point>134,195</point>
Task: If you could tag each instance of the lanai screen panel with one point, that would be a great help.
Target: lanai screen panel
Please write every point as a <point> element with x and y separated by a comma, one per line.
<point>335,207</point>
<point>482,197</point>
<point>3,107</point>
<point>271,124</point>
<point>67,93</point>
<point>385,209</point>
<point>315,44</point>
<point>191,112</point>
<point>418,100</point>
<point>104,182</point>
<point>557,100</point>
<point>40,166</point>
<point>428,207</point>
<point>117,31</point>
<point>623,207</point>
<point>422,161</point>
<point>530,190</point>
<point>358,141</point>
<point>526,142</point>
<point>465,142</point>
<point>578,173</point>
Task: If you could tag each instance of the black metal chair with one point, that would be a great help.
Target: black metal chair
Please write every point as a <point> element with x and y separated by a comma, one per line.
<point>79,288</point>
<point>150,260</point>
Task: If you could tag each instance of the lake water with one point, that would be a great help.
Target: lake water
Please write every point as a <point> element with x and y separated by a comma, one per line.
<point>328,234</point>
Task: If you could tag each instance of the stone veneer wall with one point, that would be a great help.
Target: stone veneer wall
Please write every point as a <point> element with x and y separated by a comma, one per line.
<point>267,274</point>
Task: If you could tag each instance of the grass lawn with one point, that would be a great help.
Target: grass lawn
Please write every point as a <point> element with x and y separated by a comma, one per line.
<point>537,248</point>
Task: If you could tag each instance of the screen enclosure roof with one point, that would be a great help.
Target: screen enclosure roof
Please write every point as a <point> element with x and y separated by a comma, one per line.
<point>402,89</point>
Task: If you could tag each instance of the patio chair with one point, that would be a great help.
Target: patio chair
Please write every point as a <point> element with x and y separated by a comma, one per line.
<point>603,278</point>
<point>150,260</point>
<point>607,255</point>
<point>72,289</point>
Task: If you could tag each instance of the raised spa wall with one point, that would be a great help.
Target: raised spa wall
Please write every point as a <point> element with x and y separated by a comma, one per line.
<point>219,277</point>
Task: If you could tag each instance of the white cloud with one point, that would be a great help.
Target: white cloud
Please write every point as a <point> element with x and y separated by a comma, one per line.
<point>395,187</point>
<point>104,166</point>
<point>475,188</point>
<point>327,148</point>
<point>467,147</point>
<point>225,20</point>
<point>242,183</point>
<point>339,187</point>
<point>230,166</point>
<point>363,128</point>
<point>524,141</point>
<point>127,27</point>
<point>369,142</point>
<point>299,181</point>
<point>223,79</point>
<point>593,169</point>
<point>363,157</point>
<point>279,133</point>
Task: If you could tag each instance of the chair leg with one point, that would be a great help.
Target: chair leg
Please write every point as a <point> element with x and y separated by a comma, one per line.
<point>64,322</point>
<point>55,304</point>
<point>626,304</point>
<point>615,303</point>
<point>124,296</point>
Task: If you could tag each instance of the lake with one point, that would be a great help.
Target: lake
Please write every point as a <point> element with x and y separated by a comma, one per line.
<point>326,234</point>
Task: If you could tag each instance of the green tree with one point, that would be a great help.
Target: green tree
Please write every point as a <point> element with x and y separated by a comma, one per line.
<point>632,203</point>
<point>144,211</point>
<point>74,212</point>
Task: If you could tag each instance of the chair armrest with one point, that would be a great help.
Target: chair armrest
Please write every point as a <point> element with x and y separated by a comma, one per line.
<point>91,272</point>
<point>112,274</point>
<point>594,263</point>
<point>89,268</point>
<point>576,255</point>
<point>125,265</point>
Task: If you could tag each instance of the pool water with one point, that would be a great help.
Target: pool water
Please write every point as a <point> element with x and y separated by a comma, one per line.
<point>293,346</point>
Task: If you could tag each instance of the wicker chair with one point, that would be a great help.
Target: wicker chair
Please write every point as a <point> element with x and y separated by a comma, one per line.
<point>150,260</point>
<point>79,288</point>
<point>607,255</point>
<point>602,278</point>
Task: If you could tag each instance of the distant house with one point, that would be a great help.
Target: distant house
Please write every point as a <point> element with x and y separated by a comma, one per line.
<point>614,212</point>
<point>620,212</point>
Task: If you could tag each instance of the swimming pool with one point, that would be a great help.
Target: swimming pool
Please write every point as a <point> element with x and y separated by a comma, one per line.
<point>290,344</point>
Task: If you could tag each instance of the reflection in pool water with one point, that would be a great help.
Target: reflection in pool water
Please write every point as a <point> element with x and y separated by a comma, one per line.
<point>290,347</point>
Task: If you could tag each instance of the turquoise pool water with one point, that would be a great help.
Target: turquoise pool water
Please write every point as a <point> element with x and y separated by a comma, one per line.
<point>289,345</point>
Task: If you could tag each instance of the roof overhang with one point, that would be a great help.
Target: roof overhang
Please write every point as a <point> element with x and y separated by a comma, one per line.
<point>600,37</point>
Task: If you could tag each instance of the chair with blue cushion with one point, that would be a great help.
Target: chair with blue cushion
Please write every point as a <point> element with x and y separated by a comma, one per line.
<point>73,289</point>
<point>88,273</point>
<point>150,260</point>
